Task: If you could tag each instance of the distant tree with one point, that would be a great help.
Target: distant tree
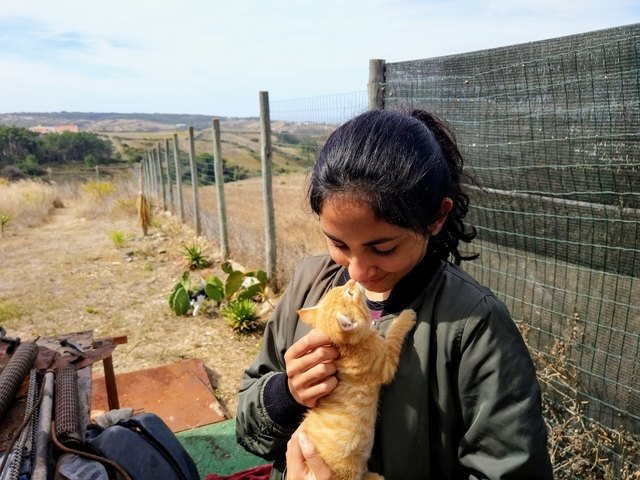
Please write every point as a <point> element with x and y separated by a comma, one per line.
<point>134,155</point>
<point>75,146</point>
<point>287,137</point>
<point>30,165</point>
<point>90,161</point>
<point>16,143</point>
<point>206,169</point>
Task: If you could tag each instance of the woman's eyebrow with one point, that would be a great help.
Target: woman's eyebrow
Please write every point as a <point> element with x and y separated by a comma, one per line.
<point>371,243</point>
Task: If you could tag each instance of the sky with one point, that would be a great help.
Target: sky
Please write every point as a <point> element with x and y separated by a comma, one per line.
<point>213,57</point>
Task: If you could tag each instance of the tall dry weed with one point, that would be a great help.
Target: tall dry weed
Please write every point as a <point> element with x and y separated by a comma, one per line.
<point>107,199</point>
<point>579,447</point>
<point>27,202</point>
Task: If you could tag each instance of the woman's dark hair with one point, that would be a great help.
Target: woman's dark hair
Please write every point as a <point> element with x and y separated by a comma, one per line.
<point>403,165</point>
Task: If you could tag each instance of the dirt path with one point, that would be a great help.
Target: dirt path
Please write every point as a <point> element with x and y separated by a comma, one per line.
<point>68,276</point>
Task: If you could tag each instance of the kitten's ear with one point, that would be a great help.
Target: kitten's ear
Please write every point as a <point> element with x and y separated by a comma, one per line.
<point>308,315</point>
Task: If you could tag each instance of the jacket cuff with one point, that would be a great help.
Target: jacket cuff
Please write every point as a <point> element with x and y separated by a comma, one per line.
<point>280,404</point>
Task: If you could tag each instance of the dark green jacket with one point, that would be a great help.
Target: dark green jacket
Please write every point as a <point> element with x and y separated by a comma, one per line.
<point>465,402</point>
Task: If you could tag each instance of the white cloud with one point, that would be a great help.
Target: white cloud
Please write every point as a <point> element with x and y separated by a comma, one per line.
<point>213,57</point>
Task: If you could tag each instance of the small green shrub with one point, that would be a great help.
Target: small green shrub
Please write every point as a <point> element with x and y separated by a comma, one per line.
<point>4,220</point>
<point>118,237</point>
<point>155,223</point>
<point>90,161</point>
<point>97,190</point>
<point>195,256</point>
<point>241,314</point>
<point>30,165</point>
<point>9,310</point>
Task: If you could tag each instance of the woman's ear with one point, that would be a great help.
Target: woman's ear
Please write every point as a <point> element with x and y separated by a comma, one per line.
<point>308,315</point>
<point>445,208</point>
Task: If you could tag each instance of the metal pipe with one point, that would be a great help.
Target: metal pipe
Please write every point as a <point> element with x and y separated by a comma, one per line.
<point>43,440</point>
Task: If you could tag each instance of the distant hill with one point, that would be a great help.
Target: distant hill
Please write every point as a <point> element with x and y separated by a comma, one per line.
<point>295,145</point>
<point>110,122</point>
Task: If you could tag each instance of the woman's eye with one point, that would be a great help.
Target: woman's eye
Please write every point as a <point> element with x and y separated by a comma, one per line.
<point>385,252</point>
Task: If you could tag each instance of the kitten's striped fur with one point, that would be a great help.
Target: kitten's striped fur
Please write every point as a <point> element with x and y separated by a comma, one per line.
<point>342,424</point>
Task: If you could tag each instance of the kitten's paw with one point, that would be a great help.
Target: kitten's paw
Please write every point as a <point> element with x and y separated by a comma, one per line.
<point>406,320</point>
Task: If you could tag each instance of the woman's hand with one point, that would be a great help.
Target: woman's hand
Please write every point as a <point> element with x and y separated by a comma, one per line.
<point>310,368</point>
<point>303,462</point>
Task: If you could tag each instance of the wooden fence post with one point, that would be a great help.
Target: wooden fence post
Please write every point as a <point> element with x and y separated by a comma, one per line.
<point>153,175</point>
<point>194,182</point>
<point>163,181</point>
<point>148,186</point>
<point>168,167</point>
<point>376,85</point>
<point>267,190</point>
<point>219,174</point>
<point>149,176</point>
<point>178,165</point>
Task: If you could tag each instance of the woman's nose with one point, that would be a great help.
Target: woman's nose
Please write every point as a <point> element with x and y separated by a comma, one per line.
<point>360,270</point>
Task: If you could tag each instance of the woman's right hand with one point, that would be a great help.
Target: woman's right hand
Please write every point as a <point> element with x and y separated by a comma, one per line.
<point>310,368</point>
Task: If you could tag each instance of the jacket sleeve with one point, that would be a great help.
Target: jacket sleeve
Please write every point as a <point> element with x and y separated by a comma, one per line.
<point>267,412</point>
<point>504,434</point>
<point>256,431</point>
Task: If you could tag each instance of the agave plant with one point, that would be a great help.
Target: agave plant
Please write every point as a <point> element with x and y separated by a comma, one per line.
<point>241,314</point>
<point>196,256</point>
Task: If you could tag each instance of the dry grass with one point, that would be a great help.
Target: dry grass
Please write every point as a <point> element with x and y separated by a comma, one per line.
<point>67,275</point>
<point>298,233</point>
<point>579,448</point>
<point>28,203</point>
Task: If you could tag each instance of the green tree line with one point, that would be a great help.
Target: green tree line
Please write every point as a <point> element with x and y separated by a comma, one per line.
<point>207,174</point>
<point>17,143</point>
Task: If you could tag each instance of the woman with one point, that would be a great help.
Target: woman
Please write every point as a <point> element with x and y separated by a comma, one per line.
<point>465,402</point>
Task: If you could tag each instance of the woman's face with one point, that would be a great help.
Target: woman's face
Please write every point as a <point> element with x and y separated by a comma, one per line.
<point>376,253</point>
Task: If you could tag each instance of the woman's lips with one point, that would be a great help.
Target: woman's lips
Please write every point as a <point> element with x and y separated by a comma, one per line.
<point>374,281</point>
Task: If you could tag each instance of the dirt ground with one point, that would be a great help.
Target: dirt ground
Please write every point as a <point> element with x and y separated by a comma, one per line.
<point>68,276</point>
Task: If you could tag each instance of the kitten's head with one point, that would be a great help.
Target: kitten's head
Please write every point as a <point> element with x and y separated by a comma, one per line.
<point>342,314</point>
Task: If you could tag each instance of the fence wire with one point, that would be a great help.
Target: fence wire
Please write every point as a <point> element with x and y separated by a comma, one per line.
<point>550,132</point>
<point>302,126</point>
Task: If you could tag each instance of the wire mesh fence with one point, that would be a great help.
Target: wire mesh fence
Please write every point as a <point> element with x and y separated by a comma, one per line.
<point>302,126</point>
<point>550,133</point>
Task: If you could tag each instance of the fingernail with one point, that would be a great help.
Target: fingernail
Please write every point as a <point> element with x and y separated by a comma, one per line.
<point>303,440</point>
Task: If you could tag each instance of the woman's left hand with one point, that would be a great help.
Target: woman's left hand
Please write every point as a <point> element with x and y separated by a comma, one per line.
<point>303,461</point>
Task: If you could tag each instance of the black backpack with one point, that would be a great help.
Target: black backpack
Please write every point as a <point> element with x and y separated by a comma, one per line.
<point>144,447</point>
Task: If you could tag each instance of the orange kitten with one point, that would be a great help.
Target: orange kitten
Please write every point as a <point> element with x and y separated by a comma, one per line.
<point>342,425</point>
